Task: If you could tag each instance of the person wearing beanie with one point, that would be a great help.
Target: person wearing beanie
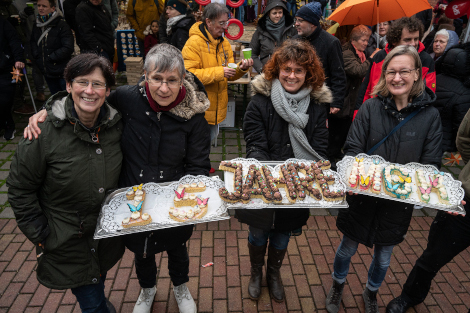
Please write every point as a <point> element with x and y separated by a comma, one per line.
<point>179,21</point>
<point>274,27</point>
<point>328,49</point>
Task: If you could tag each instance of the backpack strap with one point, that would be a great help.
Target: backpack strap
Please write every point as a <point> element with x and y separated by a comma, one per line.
<point>409,117</point>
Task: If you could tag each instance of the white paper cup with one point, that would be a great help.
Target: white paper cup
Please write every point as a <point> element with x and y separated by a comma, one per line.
<point>233,65</point>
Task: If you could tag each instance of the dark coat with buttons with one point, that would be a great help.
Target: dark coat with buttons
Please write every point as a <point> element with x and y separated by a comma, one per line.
<point>54,50</point>
<point>370,220</point>
<point>267,139</point>
<point>263,43</point>
<point>162,147</point>
<point>55,188</point>
<point>94,26</point>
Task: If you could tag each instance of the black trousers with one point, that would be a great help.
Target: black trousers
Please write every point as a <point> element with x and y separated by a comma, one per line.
<point>338,129</point>
<point>449,235</point>
<point>178,267</point>
<point>7,92</point>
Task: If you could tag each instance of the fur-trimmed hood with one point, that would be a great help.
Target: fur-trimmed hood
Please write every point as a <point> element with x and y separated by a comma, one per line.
<point>194,102</point>
<point>263,86</point>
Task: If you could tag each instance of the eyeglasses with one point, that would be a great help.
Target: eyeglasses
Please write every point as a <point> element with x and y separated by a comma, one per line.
<point>402,73</point>
<point>296,20</point>
<point>94,85</point>
<point>223,24</point>
<point>298,72</point>
<point>157,82</point>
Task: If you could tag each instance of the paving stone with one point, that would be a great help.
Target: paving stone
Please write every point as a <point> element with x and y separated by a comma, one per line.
<point>7,213</point>
<point>6,165</point>
<point>9,147</point>
<point>5,155</point>
<point>4,175</point>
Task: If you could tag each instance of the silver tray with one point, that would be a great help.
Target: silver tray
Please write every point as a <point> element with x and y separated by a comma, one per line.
<point>274,167</point>
<point>454,189</point>
<point>158,200</point>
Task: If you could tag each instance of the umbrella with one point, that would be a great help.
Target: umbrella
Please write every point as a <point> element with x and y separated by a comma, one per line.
<point>355,12</point>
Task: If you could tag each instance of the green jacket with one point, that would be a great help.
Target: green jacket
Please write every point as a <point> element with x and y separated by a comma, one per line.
<point>56,186</point>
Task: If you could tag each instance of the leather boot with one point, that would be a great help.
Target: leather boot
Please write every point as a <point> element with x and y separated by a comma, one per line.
<point>333,300</point>
<point>273,275</point>
<point>257,262</point>
<point>398,305</point>
<point>370,301</point>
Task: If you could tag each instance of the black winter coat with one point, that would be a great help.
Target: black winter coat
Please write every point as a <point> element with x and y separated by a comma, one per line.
<point>370,220</point>
<point>180,32</point>
<point>162,147</point>
<point>267,139</point>
<point>94,26</point>
<point>55,49</point>
<point>263,43</point>
<point>11,50</point>
<point>453,92</point>
<point>328,49</point>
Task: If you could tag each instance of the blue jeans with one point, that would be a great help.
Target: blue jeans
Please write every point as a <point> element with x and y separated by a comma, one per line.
<point>278,240</point>
<point>91,298</point>
<point>377,269</point>
<point>291,6</point>
<point>241,13</point>
<point>55,84</point>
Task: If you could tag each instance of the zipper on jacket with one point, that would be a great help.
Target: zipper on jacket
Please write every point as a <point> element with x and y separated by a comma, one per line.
<point>161,174</point>
<point>94,136</point>
<point>158,115</point>
<point>141,175</point>
<point>44,42</point>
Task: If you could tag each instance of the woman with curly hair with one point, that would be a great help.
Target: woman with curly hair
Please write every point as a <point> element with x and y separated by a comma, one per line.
<point>285,118</point>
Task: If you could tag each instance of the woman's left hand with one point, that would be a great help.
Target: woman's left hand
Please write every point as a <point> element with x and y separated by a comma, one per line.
<point>245,64</point>
<point>334,110</point>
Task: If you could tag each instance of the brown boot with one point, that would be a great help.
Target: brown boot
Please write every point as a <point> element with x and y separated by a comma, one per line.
<point>273,275</point>
<point>26,109</point>
<point>257,262</point>
<point>41,97</point>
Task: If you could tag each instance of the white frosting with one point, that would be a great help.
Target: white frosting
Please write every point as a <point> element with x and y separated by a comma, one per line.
<point>177,199</point>
<point>136,202</point>
<point>126,220</point>
<point>190,214</point>
<point>138,198</point>
<point>197,209</point>
<point>139,192</point>
<point>130,192</point>
<point>186,186</point>
<point>425,196</point>
<point>172,209</point>
<point>193,185</point>
<point>182,214</point>
<point>407,189</point>
<point>135,215</point>
<point>186,196</point>
<point>145,216</point>
<point>201,184</point>
<point>192,196</point>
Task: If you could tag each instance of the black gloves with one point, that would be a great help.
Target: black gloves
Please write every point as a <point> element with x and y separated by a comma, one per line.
<point>29,10</point>
<point>13,21</point>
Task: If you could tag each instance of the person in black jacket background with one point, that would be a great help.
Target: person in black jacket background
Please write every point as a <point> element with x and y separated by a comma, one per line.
<point>290,89</point>
<point>94,25</point>
<point>51,44</point>
<point>453,92</point>
<point>11,54</point>
<point>179,21</point>
<point>381,223</point>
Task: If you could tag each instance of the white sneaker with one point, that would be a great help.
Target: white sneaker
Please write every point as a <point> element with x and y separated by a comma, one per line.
<point>185,301</point>
<point>144,303</point>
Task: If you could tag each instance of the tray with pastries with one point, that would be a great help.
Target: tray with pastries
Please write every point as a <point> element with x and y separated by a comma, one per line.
<point>295,183</point>
<point>153,206</point>
<point>412,183</point>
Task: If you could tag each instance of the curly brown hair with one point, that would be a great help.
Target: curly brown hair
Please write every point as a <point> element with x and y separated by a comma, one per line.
<point>412,24</point>
<point>301,53</point>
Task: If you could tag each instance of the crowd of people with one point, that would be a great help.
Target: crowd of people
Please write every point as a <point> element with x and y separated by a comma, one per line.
<point>399,90</point>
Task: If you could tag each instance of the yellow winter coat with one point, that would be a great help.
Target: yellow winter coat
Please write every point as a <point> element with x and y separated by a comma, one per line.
<point>206,58</point>
<point>142,14</point>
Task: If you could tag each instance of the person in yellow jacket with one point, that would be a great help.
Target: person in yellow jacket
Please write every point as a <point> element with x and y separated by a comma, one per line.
<point>141,13</point>
<point>207,55</point>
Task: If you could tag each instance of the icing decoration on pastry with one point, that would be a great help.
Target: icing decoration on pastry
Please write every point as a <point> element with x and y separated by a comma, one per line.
<point>202,202</point>
<point>179,195</point>
<point>134,208</point>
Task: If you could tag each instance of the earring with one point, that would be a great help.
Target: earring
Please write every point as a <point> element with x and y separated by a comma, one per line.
<point>181,87</point>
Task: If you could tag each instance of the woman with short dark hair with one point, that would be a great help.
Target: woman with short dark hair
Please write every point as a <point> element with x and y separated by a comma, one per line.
<point>57,183</point>
<point>285,118</point>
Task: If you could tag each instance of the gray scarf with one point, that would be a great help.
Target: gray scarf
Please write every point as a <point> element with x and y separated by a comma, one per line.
<point>276,29</point>
<point>44,26</point>
<point>172,21</point>
<point>292,108</point>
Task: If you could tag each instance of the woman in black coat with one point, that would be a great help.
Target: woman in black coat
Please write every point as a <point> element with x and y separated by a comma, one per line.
<point>293,76</point>
<point>378,222</point>
<point>453,92</point>
<point>274,27</point>
<point>51,44</point>
<point>178,23</point>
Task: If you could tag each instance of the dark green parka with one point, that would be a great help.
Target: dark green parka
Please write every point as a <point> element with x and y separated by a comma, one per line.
<point>56,186</point>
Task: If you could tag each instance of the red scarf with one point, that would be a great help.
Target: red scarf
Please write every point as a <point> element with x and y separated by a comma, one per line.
<point>158,108</point>
<point>360,54</point>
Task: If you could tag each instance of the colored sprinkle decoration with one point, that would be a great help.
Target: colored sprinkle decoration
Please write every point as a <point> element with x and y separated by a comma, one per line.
<point>208,264</point>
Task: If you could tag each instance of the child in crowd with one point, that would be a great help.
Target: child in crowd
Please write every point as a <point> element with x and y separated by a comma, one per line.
<point>151,36</point>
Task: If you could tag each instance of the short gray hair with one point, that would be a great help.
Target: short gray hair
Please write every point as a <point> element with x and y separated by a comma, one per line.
<point>163,58</point>
<point>442,32</point>
<point>418,86</point>
<point>213,10</point>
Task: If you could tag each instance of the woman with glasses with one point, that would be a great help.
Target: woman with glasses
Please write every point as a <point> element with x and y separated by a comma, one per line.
<point>378,223</point>
<point>285,118</point>
<point>165,137</point>
<point>58,181</point>
<point>274,27</point>
<point>372,46</point>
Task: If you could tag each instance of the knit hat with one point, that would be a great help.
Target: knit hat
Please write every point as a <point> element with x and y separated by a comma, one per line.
<point>310,12</point>
<point>178,5</point>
